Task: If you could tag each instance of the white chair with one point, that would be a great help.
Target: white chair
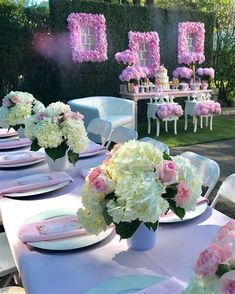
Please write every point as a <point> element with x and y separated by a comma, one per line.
<point>118,111</point>
<point>122,134</point>
<point>99,130</point>
<point>226,190</point>
<point>7,264</point>
<point>161,146</point>
<point>208,169</point>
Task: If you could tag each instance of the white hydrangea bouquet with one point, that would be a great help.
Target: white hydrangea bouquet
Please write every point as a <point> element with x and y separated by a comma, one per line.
<point>59,130</point>
<point>137,183</point>
<point>17,107</point>
<point>215,267</point>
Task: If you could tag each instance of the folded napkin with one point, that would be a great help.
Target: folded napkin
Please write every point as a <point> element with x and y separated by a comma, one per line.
<point>6,133</point>
<point>34,182</point>
<point>93,148</point>
<point>201,200</point>
<point>12,143</point>
<point>169,286</point>
<point>20,157</point>
<point>52,229</point>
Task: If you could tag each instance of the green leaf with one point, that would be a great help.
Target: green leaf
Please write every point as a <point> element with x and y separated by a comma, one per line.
<point>223,268</point>
<point>73,157</point>
<point>166,156</point>
<point>171,191</point>
<point>16,127</point>
<point>125,229</point>
<point>34,145</point>
<point>108,219</point>
<point>180,212</point>
<point>57,152</point>
<point>152,226</point>
<point>110,196</point>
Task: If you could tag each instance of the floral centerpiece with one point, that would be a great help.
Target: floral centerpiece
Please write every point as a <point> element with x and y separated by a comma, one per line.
<point>17,107</point>
<point>205,74</point>
<point>215,267</point>
<point>59,130</point>
<point>183,73</point>
<point>136,184</point>
<point>169,110</point>
<point>207,107</point>
<point>127,57</point>
<point>132,76</point>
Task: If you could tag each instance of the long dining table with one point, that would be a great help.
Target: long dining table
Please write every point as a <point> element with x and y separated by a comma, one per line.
<point>78,270</point>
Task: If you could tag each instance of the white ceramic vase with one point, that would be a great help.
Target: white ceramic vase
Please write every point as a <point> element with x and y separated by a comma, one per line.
<point>59,164</point>
<point>142,239</point>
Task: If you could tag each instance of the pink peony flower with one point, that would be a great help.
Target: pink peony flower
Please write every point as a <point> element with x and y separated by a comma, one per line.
<point>168,172</point>
<point>113,151</point>
<point>227,283</point>
<point>94,173</point>
<point>99,184</point>
<point>209,259</point>
<point>183,193</point>
<point>15,99</point>
<point>6,102</point>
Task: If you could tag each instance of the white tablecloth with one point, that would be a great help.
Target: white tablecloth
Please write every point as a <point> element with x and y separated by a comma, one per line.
<point>68,272</point>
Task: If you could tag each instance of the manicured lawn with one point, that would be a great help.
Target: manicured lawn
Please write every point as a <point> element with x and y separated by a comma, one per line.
<point>223,129</point>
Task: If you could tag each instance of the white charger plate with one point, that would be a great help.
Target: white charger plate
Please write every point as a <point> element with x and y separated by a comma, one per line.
<point>5,134</point>
<point>65,243</point>
<point>173,218</point>
<point>125,284</point>
<point>15,143</point>
<point>19,156</point>
<point>36,178</point>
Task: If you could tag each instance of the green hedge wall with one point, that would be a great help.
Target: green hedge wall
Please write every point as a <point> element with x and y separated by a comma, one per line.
<point>88,79</point>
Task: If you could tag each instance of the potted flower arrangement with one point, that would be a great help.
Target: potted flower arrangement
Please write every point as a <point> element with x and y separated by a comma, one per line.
<point>16,108</point>
<point>205,74</point>
<point>60,131</point>
<point>132,75</point>
<point>184,75</point>
<point>215,267</point>
<point>133,187</point>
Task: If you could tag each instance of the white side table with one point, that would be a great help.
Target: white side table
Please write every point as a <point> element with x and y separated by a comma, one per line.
<point>151,114</point>
<point>190,110</point>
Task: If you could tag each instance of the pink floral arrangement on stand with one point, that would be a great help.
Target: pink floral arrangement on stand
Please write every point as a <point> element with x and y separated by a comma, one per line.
<point>206,73</point>
<point>207,108</point>
<point>196,29</point>
<point>151,39</point>
<point>215,267</point>
<point>127,57</point>
<point>96,22</point>
<point>182,73</point>
<point>133,73</point>
<point>169,110</point>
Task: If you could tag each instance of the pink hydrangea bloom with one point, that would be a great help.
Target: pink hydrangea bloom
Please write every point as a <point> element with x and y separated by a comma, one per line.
<point>133,73</point>
<point>169,110</point>
<point>168,172</point>
<point>207,107</point>
<point>127,57</point>
<point>209,259</point>
<point>183,73</point>
<point>6,102</point>
<point>183,193</point>
<point>206,72</point>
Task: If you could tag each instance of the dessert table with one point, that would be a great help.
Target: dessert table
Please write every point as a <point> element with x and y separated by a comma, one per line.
<point>151,95</point>
<point>78,270</point>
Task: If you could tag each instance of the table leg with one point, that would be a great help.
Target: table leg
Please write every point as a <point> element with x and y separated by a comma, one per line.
<point>158,127</point>
<point>175,126</point>
<point>195,123</point>
<point>136,116</point>
<point>211,119</point>
<point>166,125</point>
<point>201,122</point>
<point>207,121</point>
<point>149,125</point>
<point>185,122</point>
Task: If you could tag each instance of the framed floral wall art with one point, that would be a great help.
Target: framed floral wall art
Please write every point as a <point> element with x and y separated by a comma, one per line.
<point>87,37</point>
<point>146,46</point>
<point>191,38</point>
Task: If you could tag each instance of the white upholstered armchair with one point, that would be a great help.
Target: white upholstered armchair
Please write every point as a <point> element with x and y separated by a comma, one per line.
<point>118,111</point>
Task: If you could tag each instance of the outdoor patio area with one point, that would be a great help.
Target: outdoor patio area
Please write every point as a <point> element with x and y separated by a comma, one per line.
<point>117,147</point>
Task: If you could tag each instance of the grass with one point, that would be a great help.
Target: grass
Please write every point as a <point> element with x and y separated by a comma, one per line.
<point>223,129</point>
